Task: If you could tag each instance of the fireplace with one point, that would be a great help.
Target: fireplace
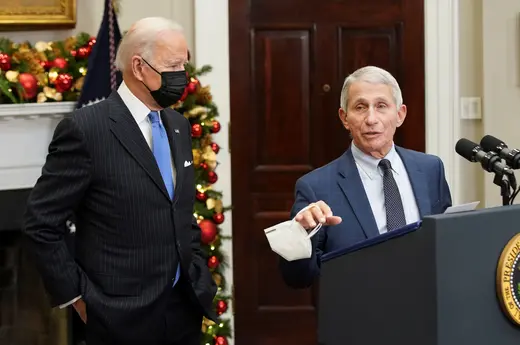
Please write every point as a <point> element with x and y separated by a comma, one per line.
<point>25,314</point>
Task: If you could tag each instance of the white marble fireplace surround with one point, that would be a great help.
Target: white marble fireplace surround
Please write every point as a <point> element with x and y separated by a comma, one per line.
<point>25,133</point>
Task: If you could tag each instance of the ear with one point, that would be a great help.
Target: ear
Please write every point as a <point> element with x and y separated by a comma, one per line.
<point>343,118</point>
<point>401,115</point>
<point>137,67</point>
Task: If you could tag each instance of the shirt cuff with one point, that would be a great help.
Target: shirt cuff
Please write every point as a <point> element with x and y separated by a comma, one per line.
<point>69,303</point>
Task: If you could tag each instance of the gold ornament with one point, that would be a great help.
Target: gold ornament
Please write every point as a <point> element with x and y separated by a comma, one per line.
<point>196,156</point>
<point>78,84</point>
<point>204,328</point>
<point>42,79</point>
<point>53,75</point>
<point>41,46</point>
<point>217,278</point>
<point>204,95</point>
<point>210,157</point>
<point>210,203</point>
<point>219,207</point>
<point>12,76</point>
<point>197,111</point>
<point>70,43</point>
<point>41,98</point>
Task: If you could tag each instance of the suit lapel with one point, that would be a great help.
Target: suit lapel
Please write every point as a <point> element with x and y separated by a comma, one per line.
<point>351,185</point>
<point>172,127</point>
<point>418,181</point>
<point>130,136</point>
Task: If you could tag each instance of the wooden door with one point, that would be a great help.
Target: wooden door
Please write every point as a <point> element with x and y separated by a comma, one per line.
<point>288,60</point>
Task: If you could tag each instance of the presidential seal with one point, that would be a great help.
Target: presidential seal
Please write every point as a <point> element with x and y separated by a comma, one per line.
<point>508,279</point>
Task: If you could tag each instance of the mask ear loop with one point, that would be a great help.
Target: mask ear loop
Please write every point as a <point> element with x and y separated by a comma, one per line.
<point>316,228</point>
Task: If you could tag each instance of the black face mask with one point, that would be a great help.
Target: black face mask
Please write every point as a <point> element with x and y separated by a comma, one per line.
<point>172,87</point>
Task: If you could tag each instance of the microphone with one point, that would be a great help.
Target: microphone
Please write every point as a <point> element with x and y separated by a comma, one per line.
<point>511,156</point>
<point>490,161</point>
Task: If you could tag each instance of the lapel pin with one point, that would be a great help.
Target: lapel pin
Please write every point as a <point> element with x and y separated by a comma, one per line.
<point>176,131</point>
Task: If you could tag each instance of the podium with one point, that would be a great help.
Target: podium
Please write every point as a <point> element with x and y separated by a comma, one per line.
<point>442,281</point>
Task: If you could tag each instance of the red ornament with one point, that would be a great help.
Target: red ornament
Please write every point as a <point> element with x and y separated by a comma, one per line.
<point>82,52</point>
<point>212,177</point>
<point>218,218</point>
<point>184,95</point>
<point>213,262</point>
<point>203,166</point>
<point>89,50</point>
<point>29,85</point>
<point>221,307</point>
<point>63,82</point>
<point>215,127</point>
<point>60,63</point>
<point>192,87</point>
<point>92,41</point>
<point>208,231</point>
<point>201,196</point>
<point>220,340</point>
<point>196,130</point>
<point>73,53</point>
<point>5,62</point>
<point>215,147</point>
<point>46,64</point>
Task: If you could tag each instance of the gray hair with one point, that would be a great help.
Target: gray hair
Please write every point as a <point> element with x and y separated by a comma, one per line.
<point>141,39</point>
<point>372,75</point>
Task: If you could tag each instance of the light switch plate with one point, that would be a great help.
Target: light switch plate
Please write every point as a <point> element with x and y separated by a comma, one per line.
<point>470,108</point>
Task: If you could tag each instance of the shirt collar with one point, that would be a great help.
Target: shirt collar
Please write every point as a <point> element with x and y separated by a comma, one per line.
<point>370,165</point>
<point>137,108</point>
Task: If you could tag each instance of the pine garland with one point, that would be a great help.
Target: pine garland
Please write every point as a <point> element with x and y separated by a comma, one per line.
<point>198,107</point>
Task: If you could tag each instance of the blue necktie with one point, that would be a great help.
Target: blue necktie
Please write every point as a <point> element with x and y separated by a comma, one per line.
<point>161,151</point>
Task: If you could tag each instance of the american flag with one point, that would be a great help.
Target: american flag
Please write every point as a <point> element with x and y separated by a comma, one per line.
<point>102,77</point>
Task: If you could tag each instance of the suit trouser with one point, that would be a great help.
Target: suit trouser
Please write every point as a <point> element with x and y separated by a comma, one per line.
<point>182,322</point>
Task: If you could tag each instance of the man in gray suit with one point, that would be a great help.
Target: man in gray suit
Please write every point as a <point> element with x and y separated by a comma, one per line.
<point>123,167</point>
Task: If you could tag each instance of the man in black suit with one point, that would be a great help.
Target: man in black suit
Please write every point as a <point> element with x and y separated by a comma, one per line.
<point>123,167</point>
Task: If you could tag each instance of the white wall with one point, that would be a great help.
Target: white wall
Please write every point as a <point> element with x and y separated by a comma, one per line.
<point>90,14</point>
<point>501,78</point>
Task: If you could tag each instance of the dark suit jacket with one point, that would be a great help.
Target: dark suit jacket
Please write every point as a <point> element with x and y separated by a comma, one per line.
<point>339,185</point>
<point>129,234</point>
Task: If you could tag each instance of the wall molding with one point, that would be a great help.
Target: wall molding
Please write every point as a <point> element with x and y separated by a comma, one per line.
<point>442,86</point>
<point>25,133</point>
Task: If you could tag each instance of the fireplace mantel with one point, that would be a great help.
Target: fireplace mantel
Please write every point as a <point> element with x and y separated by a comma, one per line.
<point>25,133</point>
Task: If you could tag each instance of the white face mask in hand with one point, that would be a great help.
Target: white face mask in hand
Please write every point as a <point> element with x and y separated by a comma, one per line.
<point>290,240</point>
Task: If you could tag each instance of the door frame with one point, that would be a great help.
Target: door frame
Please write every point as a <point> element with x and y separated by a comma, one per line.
<point>211,23</point>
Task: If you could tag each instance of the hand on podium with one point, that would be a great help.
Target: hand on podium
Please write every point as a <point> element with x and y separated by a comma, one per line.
<point>318,212</point>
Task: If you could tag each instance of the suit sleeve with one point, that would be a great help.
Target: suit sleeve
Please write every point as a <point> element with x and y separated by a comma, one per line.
<point>302,273</point>
<point>444,189</point>
<point>65,177</point>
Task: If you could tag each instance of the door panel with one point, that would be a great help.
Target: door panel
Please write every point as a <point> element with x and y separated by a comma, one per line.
<point>288,62</point>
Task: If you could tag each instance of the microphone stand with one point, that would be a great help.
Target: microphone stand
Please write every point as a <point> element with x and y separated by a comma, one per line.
<point>506,182</point>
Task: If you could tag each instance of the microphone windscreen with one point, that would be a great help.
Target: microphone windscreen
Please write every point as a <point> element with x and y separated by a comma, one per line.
<point>490,143</point>
<point>465,147</point>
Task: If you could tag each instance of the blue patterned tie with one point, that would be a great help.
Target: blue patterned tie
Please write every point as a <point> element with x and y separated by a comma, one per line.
<point>394,206</point>
<point>161,151</point>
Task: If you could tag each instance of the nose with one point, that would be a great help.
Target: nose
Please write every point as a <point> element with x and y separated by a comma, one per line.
<point>371,118</point>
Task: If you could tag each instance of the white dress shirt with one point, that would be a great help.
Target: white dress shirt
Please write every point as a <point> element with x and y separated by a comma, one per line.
<point>140,113</point>
<point>372,179</point>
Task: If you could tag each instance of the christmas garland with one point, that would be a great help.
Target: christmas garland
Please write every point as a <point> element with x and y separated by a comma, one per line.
<point>45,72</point>
<point>55,71</point>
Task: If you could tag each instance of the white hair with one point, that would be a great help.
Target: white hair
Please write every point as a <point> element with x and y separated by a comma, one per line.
<point>141,39</point>
<point>372,75</point>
